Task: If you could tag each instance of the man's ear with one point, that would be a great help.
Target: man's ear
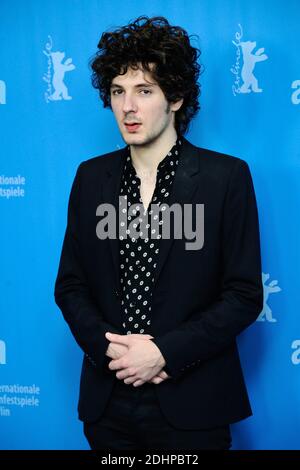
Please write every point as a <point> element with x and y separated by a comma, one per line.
<point>176,105</point>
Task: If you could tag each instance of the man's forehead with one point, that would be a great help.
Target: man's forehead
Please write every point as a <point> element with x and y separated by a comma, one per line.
<point>134,76</point>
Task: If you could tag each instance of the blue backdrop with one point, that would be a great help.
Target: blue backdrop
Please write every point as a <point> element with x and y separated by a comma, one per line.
<point>52,119</point>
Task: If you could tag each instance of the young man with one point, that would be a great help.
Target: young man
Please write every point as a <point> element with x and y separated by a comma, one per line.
<point>155,314</point>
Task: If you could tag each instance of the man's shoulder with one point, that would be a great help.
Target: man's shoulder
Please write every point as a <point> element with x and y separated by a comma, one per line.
<point>216,159</point>
<point>216,163</point>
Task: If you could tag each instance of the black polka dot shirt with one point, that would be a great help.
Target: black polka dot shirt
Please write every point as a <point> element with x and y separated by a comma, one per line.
<point>139,254</point>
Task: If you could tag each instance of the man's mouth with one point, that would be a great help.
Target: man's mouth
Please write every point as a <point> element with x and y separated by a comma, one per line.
<point>132,126</point>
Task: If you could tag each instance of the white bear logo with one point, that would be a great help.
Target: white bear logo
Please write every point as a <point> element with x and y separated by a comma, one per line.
<point>250,59</point>
<point>60,68</point>
<point>245,73</point>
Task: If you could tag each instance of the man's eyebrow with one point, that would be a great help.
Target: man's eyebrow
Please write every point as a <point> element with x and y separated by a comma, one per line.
<point>139,85</point>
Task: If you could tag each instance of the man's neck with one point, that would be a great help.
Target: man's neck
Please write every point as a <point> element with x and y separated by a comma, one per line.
<point>146,158</point>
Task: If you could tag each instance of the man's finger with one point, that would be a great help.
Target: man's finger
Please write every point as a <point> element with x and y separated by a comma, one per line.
<point>138,383</point>
<point>121,339</point>
<point>124,374</point>
<point>115,364</point>
<point>140,336</point>
<point>163,375</point>
<point>130,380</point>
<point>157,380</point>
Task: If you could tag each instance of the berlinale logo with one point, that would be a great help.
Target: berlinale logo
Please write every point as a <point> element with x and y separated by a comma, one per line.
<point>245,72</point>
<point>2,352</point>
<point>54,77</point>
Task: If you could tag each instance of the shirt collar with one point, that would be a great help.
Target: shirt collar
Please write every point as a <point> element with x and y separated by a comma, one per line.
<point>167,163</point>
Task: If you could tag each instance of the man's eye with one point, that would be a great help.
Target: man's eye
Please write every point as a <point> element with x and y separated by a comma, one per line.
<point>116,92</point>
<point>147,92</point>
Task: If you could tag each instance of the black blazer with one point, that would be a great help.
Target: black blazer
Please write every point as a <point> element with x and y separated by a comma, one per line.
<point>202,299</point>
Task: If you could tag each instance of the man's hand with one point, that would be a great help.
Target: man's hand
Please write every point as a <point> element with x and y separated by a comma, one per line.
<point>159,378</point>
<point>117,350</point>
<point>143,361</point>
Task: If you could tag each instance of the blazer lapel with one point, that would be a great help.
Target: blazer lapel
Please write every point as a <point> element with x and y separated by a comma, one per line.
<point>110,191</point>
<point>184,186</point>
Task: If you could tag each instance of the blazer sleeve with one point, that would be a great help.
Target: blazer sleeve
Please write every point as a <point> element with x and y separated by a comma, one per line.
<point>206,333</point>
<point>72,293</point>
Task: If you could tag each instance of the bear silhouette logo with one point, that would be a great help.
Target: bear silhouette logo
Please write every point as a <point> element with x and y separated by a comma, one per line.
<point>250,60</point>
<point>245,80</point>
<point>60,68</point>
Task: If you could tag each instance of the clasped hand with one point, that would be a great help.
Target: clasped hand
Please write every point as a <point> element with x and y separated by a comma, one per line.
<point>136,358</point>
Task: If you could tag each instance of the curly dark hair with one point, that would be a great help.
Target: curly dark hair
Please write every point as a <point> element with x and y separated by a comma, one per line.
<point>148,41</point>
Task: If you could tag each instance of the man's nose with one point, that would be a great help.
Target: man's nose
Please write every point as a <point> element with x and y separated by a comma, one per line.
<point>129,103</point>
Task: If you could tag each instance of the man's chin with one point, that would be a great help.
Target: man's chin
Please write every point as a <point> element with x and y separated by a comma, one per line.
<point>134,139</point>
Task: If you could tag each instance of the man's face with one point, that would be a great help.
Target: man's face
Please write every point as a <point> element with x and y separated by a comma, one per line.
<point>140,107</point>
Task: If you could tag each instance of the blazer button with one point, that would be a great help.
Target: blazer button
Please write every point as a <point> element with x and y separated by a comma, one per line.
<point>117,293</point>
